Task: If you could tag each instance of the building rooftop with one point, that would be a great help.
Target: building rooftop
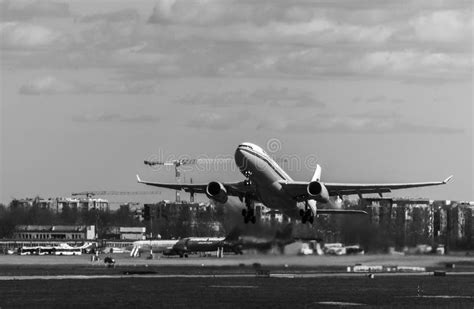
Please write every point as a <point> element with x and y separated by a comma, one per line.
<point>47,228</point>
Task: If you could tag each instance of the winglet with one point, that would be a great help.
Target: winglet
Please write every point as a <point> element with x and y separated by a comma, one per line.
<point>448,179</point>
<point>138,179</point>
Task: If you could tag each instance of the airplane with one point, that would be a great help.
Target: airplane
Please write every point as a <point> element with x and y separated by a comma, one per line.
<point>185,246</point>
<point>154,246</point>
<point>268,183</point>
<point>237,242</point>
<point>234,242</point>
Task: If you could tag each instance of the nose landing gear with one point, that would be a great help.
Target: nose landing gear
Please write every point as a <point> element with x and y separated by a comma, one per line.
<point>249,212</point>
<point>307,214</point>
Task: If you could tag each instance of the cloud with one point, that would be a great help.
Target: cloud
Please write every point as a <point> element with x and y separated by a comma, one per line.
<point>211,12</point>
<point>218,121</point>
<point>50,85</point>
<point>47,85</point>
<point>377,99</point>
<point>21,35</point>
<point>415,63</point>
<point>367,123</point>
<point>258,39</point>
<point>286,97</point>
<point>124,15</point>
<point>261,21</point>
<point>271,96</point>
<point>113,117</point>
<point>29,9</point>
<point>445,26</point>
<point>325,39</point>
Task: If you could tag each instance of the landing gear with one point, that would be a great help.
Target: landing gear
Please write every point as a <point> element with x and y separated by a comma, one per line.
<point>249,212</point>
<point>307,214</point>
<point>247,182</point>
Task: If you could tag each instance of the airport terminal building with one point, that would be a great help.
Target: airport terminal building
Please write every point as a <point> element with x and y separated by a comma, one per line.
<point>54,232</point>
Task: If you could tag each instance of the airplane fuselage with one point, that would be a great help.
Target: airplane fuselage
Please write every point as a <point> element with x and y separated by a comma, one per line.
<point>157,246</point>
<point>195,244</point>
<point>266,174</point>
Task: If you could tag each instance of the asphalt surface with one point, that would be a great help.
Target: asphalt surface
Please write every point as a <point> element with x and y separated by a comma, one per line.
<point>250,281</point>
<point>406,291</point>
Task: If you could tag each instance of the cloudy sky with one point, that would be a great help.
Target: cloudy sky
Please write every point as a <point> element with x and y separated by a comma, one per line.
<point>375,90</point>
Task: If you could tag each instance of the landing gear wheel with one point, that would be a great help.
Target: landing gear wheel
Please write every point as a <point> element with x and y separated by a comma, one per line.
<point>249,212</point>
<point>306,214</point>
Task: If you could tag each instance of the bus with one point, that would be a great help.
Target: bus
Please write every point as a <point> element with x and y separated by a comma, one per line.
<point>28,250</point>
<point>67,251</point>
<point>38,250</point>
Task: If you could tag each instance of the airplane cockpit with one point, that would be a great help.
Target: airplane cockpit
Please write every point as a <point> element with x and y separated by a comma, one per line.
<point>245,146</point>
<point>252,147</point>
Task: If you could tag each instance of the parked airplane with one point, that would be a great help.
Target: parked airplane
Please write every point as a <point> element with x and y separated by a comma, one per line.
<point>155,246</point>
<point>234,242</point>
<point>188,245</point>
<point>268,183</point>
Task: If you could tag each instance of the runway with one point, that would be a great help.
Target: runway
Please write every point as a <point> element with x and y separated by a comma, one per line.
<point>235,260</point>
<point>237,291</point>
<point>243,275</point>
<point>233,281</point>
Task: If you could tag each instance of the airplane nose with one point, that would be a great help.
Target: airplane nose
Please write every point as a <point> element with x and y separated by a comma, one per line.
<point>239,157</point>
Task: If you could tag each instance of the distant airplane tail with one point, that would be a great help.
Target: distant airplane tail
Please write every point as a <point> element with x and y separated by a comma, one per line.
<point>135,251</point>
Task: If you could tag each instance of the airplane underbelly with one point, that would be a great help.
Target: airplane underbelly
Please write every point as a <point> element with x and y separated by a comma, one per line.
<point>276,199</point>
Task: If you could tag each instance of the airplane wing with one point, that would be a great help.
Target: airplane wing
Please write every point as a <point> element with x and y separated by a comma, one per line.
<point>233,189</point>
<point>298,189</point>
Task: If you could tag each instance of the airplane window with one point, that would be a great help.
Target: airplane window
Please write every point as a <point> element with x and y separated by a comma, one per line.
<point>246,146</point>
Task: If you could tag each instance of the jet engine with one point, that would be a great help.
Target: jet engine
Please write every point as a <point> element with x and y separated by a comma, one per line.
<point>217,192</point>
<point>318,192</point>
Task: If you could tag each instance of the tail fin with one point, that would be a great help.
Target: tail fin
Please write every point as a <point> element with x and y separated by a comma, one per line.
<point>317,173</point>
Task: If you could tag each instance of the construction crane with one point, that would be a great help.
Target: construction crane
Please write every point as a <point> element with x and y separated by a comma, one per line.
<point>181,162</point>
<point>176,164</point>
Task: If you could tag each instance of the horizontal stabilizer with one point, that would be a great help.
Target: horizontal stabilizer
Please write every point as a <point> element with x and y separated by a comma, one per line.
<point>341,212</point>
